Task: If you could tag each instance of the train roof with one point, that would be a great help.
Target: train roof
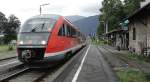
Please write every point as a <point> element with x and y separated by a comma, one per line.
<point>52,16</point>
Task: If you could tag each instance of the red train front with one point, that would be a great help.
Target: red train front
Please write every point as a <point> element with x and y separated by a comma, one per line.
<point>48,38</point>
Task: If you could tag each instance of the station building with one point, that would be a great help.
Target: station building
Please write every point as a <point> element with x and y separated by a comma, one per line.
<point>118,38</point>
<point>139,30</point>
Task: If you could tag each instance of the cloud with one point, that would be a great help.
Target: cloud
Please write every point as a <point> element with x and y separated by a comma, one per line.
<point>91,10</point>
<point>24,9</point>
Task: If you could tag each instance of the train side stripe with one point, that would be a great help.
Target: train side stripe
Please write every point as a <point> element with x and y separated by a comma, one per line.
<point>63,52</point>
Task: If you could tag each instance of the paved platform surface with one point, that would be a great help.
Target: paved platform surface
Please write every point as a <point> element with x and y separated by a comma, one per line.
<point>91,67</point>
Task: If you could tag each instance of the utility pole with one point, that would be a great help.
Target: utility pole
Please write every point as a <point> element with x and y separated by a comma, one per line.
<point>41,7</point>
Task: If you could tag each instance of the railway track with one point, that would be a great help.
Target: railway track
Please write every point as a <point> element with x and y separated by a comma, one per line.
<point>8,58</point>
<point>23,73</point>
<point>9,64</point>
<point>30,75</point>
<point>11,72</point>
<point>8,61</point>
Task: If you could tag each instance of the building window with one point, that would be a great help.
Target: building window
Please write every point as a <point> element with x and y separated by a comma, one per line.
<point>134,34</point>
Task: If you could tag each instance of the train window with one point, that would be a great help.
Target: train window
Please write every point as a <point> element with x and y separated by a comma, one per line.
<point>78,33</point>
<point>65,26</point>
<point>74,32</point>
<point>62,31</point>
<point>38,25</point>
<point>68,30</point>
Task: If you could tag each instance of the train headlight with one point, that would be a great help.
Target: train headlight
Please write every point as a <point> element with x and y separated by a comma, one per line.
<point>21,42</point>
<point>43,42</point>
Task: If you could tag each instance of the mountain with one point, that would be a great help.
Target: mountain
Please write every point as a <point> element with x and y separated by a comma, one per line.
<point>74,18</point>
<point>88,25</point>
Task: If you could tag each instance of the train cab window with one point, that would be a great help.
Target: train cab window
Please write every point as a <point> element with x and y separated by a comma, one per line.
<point>62,31</point>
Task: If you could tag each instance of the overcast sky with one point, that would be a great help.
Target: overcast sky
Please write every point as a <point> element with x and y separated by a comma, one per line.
<point>24,9</point>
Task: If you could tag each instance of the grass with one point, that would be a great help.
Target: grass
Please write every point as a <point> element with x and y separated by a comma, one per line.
<point>139,58</point>
<point>131,75</point>
<point>99,42</point>
<point>5,52</point>
<point>3,48</point>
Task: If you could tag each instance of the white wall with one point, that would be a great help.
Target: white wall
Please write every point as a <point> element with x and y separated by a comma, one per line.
<point>142,35</point>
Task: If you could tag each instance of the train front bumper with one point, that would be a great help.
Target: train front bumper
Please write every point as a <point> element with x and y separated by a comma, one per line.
<point>48,61</point>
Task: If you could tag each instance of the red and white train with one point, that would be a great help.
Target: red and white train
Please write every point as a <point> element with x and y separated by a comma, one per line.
<point>48,38</point>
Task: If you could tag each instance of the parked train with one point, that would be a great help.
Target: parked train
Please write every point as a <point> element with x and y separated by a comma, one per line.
<point>48,38</point>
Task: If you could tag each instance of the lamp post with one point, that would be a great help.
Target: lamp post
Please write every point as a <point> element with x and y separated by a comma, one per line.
<point>106,29</point>
<point>41,7</point>
<point>105,26</point>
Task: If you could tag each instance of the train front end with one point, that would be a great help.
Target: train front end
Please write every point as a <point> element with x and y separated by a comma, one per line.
<point>33,39</point>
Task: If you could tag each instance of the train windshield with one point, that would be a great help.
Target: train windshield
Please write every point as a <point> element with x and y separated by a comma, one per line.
<point>38,25</point>
<point>36,31</point>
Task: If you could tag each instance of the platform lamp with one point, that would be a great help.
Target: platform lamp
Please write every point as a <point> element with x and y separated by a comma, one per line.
<point>41,7</point>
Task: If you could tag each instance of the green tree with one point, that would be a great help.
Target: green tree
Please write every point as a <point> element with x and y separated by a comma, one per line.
<point>112,12</point>
<point>100,29</point>
<point>115,11</point>
<point>130,6</point>
<point>3,21</point>
<point>11,28</point>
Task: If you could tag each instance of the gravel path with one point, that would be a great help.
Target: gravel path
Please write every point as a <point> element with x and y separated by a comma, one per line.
<point>144,67</point>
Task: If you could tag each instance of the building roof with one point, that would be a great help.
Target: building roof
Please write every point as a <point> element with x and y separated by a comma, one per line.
<point>116,31</point>
<point>139,10</point>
